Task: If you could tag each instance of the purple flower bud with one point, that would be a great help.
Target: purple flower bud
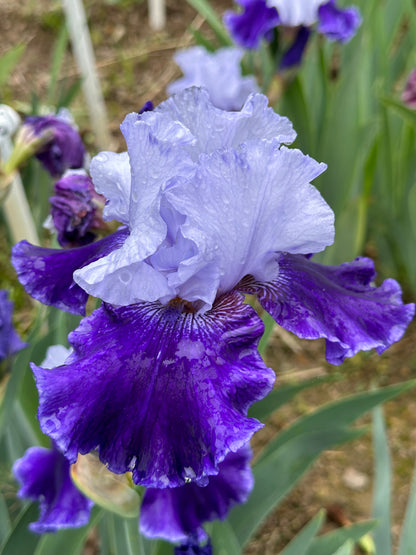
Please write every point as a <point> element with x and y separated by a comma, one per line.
<point>10,342</point>
<point>75,210</point>
<point>409,92</point>
<point>64,148</point>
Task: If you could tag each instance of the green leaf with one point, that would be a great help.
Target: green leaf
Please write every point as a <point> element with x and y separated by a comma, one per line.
<point>339,413</point>
<point>275,476</point>
<point>302,541</point>
<point>281,395</point>
<point>346,549</point>
<point>21,539</point>
<point>204,8</point>
<point>57,60</point>
<point>329,543</point>
<point>121,535</point>
<point>68,542</point>
<point>223,538</point>
<point>407,545</point>
<point>400,108</point>
<point>8,62</point>
<point>381,486</point>
<point>4,519</point>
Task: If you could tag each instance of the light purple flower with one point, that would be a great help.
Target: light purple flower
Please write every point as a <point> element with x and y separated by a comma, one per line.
<point>10,342</point>
<point>409,93</point>
<point>64,149</point>
<point>75,209</point>
<point>213,205</point>
<point>177,514</point>
<point>219,72</point>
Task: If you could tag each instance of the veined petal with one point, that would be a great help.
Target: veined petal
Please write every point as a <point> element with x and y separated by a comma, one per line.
<point>157,390</point>
<point>47,274</point>
<point>335,302</point>
<point>44,477</point>
<point>244,206</point>
<point>174,514</point>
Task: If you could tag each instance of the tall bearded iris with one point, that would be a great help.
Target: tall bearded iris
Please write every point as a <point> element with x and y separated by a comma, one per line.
<point>213,206</point>
<point>258,18</point>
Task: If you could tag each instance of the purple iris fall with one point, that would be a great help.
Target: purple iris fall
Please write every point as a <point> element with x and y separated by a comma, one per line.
<point>259,17</point>
<point>64,148</point>
<point>44,477</point>
<point>219,72</point>
<point>75,209</point>
<point>10,342</point>
<point>213,205</point>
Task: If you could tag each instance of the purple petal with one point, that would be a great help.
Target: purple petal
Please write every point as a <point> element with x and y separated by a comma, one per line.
<point>175,514</point>
<point>10,342</point>
<point>44,476</point>
<point>158,390</point>
<point>338,24</point>
<point>47,274</point>
<point>250,26</point>
<point>293,56</point>
<point>335,302</point>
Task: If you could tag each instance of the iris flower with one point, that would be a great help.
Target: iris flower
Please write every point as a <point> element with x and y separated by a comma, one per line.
<point>259,17</point>
<point>219,72</point>
<point>212,206</point>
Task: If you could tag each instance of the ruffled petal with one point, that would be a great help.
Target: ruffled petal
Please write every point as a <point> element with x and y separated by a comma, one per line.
<point>44,476</point>
<point>158,390</point>
<point>245,206</point>
<point>174,514</point>
<point>47,274</point>
<point>160,156</point>
<point>248,27</point>
<point>335,302</point>
<point>214,128</point>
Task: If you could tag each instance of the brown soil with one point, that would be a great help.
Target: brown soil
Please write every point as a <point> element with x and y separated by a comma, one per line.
<point>135,65</point>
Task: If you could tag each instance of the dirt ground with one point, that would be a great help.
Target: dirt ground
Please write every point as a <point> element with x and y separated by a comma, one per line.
<point>135,64</point>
